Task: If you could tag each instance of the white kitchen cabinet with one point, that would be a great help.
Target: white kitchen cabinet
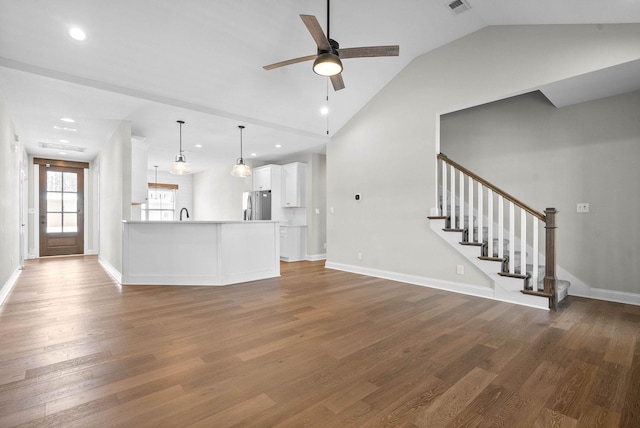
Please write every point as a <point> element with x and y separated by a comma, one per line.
<point>293,243</point>
<point>264,177</point>
<point>293,184</point>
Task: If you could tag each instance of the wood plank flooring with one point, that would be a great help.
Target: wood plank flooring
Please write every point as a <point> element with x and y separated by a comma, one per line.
<point>314,348</point>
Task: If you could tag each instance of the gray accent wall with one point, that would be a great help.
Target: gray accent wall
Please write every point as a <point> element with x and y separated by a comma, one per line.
<point>550,157</point>
<point>387,151</point>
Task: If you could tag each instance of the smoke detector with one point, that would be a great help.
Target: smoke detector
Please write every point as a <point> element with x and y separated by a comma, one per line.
<point>458,6</point>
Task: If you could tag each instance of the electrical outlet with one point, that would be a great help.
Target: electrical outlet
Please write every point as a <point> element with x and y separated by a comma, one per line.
<point>460,269</point>
<point>325,245</point>
<point>359,256</point>
<point>583,207</point>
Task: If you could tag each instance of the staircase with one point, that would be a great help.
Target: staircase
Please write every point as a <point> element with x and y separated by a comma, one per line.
<point>500,235</point>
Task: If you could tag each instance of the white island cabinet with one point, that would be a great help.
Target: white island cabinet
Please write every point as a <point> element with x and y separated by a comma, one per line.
<point>199,252</point>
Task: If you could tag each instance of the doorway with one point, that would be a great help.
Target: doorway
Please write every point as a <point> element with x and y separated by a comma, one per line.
<point>61,206</point>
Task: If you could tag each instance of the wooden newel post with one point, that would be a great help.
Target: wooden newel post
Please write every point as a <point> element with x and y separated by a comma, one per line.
<point>550,256</point>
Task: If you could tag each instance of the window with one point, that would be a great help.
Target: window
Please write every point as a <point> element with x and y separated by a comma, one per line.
<point>62,202</point>
<point>161,202</point>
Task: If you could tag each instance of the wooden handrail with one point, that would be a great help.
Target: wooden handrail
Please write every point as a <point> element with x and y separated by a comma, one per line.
<point>496,189</point>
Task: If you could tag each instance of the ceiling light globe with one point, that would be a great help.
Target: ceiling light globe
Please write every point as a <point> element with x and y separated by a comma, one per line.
<point>77,34</point>
<point>241,169</point>
<point>180,166</point>
<point>327,64</point>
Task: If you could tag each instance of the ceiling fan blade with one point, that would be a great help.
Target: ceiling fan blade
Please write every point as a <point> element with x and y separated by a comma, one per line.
<point>289,62</point>
<point>337,82</point>
<point>316,32</point>
<point>369,51</point>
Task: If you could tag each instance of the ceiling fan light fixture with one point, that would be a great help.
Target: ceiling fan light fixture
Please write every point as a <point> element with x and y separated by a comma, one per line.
<point>180,166</point>
<point>327,64</point>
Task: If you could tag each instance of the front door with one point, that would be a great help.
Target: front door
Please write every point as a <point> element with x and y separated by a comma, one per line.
<point>61,210</point>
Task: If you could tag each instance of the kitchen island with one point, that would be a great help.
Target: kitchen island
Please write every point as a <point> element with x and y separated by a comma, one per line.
<point>199,252</point>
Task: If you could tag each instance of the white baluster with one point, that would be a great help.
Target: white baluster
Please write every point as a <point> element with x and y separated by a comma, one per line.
<point>452,196</point>
<point>490,222</point>
<point>500,227</point>
<point>461,200</point>
<point>534,273</point>
<point>512,238</point>
<point>471,212</point>
<point>523,242</point>
<point>480,213</point>
<point>443,209</point>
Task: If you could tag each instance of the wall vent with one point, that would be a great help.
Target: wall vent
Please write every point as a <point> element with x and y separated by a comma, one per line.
<point>458,6</point>
<point>56,146</point>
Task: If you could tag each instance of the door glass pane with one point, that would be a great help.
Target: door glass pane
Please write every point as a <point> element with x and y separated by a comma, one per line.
<point>154,216</point>
<point>54,181</point>
<point>54,202</point>
<point>54,222</point>
<point>70,223</point>
<point>70,202</point>
<point>167,215</point>
<point>70,181</point>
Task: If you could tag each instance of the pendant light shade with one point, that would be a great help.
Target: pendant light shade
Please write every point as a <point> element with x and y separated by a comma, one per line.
<point>240,169</point>
<point>180,166</point>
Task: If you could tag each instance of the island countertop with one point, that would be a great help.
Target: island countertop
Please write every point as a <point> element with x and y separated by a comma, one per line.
<point>199,252</point>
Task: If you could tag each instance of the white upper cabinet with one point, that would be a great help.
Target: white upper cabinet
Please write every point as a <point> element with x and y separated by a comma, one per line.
<point>262,177</point>
<point>293,184</point>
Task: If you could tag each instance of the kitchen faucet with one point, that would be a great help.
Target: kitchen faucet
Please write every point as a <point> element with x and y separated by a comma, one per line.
<point>184,209</point>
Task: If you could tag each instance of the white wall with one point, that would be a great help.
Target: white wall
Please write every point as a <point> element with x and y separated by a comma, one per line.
<point>115,194</point>
<point>217,195</point>
<point>387,151</point>
<point>12,153</point>
<point>553,157</point>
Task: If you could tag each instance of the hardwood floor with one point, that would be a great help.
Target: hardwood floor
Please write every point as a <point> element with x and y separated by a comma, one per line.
<point>314,348</point>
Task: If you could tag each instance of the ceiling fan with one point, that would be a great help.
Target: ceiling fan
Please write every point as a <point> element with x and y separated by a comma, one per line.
<point>327,60</point>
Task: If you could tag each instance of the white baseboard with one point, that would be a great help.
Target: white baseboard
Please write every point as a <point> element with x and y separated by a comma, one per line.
<point>8,286</point>
<point>610,296</point>
<point>316,257</point>
<point>473,290</point>
<point>115,273</point>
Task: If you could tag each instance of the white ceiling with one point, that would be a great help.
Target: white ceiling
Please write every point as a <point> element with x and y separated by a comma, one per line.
<point>157,61</point>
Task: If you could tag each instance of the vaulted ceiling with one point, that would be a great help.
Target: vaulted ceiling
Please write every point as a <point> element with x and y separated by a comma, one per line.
<point>154,62</point>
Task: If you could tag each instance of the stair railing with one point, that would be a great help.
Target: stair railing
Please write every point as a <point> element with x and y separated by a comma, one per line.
<point>462,191</point>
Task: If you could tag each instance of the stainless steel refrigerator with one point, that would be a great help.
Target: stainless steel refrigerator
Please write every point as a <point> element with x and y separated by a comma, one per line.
<point>257,205</point>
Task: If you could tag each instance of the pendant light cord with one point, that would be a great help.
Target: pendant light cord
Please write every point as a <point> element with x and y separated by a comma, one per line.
<point>328,32</point>
<point>327,106</point>
<point>241,128</point>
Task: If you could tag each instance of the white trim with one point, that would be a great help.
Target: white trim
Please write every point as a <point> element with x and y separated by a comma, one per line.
<point>316,257</point>
<point>115,273</point>
<point>473,290</point>
<point>607,295</point>
<point>8,286</point>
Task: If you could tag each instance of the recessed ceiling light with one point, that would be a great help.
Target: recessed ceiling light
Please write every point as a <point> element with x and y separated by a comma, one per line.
<point>199,146</point>
<point>324,111</point>
<point>77,34</point>
<point>278,146</point>
<point>67,119</point>
<point>253,154</point>
<point>63,141</point>
<point>64,128</point>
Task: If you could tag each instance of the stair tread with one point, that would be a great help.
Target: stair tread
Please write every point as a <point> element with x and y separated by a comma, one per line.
<point>491,259</point>
<point>536,293</point>
<point>446,229</point>
<point>475,244</point>
<point>437,217</point>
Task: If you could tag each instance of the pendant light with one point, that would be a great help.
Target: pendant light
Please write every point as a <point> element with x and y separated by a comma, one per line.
<point>180,166</point>
<point>240,169</point>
